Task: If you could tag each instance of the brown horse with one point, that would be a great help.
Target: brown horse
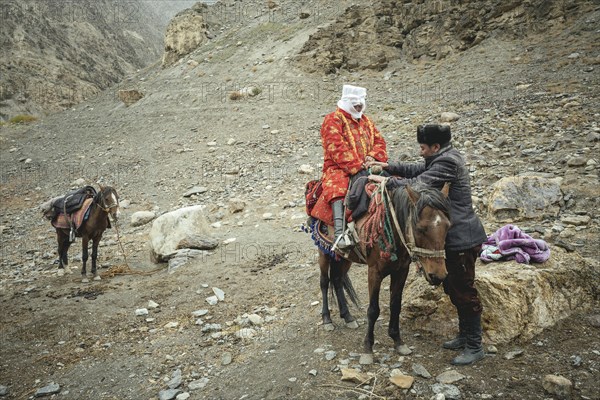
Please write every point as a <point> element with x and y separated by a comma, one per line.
<point>104,203</point>
<point>421,221</point>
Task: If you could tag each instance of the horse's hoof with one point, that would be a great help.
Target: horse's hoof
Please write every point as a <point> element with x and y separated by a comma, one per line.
<point>328,327</point>
<point>97,278</point>
<point>403,350</point>
<point>352,324</point>
<point>85,280</point>
<point>366,359</point>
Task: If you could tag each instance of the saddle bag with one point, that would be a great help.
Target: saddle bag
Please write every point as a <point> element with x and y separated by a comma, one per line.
<point>312,193</point>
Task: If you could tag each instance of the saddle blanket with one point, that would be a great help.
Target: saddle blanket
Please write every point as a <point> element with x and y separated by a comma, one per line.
<point>78,217</point>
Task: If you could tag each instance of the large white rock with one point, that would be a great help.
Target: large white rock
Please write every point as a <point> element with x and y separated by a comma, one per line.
<point>170,228</point>
<point>519,300</point>
<point>525,197</point>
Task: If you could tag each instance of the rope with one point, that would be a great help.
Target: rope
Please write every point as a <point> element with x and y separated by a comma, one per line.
<point>120,243</point>
<point>124,269</point>
<point>377,227</point>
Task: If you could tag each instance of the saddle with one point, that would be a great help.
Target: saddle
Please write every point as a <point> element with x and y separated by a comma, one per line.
<point>69,203</point>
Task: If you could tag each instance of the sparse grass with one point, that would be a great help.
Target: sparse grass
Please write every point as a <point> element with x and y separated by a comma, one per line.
<point>563,87</point>
<point>591,60</point>
<point>22,119</point>
<point>255,91</point>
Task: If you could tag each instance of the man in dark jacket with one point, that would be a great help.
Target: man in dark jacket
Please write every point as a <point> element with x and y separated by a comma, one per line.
<point>444,164</point>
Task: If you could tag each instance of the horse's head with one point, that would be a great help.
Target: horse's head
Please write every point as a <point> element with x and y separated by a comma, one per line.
<point>426,222</point>
<point>108,199</point>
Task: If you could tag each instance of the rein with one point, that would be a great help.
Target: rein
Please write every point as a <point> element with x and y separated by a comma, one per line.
<point>414,252</point>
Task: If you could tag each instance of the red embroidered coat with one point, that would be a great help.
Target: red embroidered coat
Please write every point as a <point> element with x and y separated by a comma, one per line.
<point>346,144</point>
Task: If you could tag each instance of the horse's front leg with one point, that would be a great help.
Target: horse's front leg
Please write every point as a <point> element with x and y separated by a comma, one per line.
<point>84,258</point>
<point>375,278</point>
<point>398,279</point>
<point>95,243</point>
<point>324,284</point>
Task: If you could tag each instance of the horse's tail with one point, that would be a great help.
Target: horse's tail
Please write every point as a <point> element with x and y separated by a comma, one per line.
<point>348,288</point>
<point>347,283</point>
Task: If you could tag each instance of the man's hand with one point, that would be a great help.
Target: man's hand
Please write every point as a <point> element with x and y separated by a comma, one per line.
<point>372,163</point>
<point>376,178</point>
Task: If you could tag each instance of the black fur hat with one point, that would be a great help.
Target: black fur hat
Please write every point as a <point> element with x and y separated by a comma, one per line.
<point>431,134</point>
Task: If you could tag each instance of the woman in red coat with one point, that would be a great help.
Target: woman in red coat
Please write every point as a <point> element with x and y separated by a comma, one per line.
<point>349,140</point>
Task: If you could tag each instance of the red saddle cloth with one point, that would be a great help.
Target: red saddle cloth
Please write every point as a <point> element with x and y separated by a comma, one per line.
<point>78,217</point>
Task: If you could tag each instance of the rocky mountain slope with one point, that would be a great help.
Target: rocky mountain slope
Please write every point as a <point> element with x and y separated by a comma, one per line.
<point>377,35</point>
<point>236,121</point>
<point>56,54</point>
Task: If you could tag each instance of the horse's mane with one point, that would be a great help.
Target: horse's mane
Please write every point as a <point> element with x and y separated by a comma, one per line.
<point>428,197</point>
<point>99,194</point>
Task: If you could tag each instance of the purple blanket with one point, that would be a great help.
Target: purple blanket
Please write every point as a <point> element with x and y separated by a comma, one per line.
<point>510,243</point>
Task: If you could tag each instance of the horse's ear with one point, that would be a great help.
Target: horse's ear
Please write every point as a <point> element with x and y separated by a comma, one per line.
<point>101,187</point>
<point>446,189</point>
<point>412,195</point>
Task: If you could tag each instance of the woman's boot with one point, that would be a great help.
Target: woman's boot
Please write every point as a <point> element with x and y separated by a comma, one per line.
<point>338,224</point>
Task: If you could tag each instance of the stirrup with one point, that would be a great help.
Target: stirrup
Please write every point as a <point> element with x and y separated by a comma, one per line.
<point>72,235</point>
<point>346,240</point>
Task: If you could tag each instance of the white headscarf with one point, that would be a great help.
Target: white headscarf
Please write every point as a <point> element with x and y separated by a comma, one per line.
<point>351,96</point>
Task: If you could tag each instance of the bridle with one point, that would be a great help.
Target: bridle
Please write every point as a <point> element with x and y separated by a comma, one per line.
<point>102,203</point>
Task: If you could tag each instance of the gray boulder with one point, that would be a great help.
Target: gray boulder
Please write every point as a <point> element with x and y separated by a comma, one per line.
<point>525,197</point>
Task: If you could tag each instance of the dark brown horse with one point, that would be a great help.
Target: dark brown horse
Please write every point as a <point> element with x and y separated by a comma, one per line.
<point>104,203</point>
<point>421,221</point>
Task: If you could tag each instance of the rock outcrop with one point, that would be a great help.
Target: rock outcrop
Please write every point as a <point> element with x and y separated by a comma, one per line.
<point>56,54</point>
<point>186,31</point>
<point>373,37</point>
<point>519,300</point>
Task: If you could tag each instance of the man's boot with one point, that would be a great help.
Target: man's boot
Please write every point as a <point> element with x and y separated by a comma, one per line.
<point>459,342</point>
<point>473,349</point>
<point>338,224</point>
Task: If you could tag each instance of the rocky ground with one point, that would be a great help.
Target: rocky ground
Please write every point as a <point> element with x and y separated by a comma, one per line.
<point>525,105</point>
